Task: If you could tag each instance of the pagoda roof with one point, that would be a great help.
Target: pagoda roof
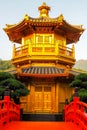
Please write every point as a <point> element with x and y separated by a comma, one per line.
<point>45,71</point>
<point>43,24</point>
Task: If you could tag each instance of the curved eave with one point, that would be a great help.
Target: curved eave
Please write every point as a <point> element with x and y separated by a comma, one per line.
<point>74,28</point>
<point>17,31</point>
<point>34,21</point>
<point>14,26</point>
<point>30,21</point>
<point>27,26</point>
<point>71,32</point>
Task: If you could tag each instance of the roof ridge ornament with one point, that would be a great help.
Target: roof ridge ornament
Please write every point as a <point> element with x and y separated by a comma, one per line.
<point>60,18</point>
<point>44,10</point>
<point>26,17</point>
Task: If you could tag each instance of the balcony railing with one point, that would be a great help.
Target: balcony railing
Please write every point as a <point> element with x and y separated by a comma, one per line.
<point>40,50</point>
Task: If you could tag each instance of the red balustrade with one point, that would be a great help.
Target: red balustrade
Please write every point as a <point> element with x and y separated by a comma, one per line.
<point>76,112</point>
<point>9,111</point>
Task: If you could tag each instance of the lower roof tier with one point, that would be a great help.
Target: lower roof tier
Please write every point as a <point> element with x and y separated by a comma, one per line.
<point>36,71</point>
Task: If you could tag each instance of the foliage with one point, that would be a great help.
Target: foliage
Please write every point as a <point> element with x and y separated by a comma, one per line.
<point>75,83</point>
<point>5,65</point>
<point>2,89</point>
<point>80,81</point>
<point>5,75</point>
<point>17,88</point>
<point>83,95</point>
<point>82,77</point>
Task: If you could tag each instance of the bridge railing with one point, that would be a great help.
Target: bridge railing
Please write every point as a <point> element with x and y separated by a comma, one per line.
<point>9,111</point>
<point>76,112</point>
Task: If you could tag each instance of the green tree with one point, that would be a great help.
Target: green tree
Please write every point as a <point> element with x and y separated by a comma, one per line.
<point>17,89</point>
<point>5,65</point>
<point>80,81</point>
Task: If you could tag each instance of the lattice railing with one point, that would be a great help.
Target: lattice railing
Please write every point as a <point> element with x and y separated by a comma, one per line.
<point>76,112</point>
<point>9,111</point>
<point>39,49</point>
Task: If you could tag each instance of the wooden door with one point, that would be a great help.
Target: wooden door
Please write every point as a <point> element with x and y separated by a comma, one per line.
<point>47,99</point>
<point>38,99</point>
<point>42,100</point>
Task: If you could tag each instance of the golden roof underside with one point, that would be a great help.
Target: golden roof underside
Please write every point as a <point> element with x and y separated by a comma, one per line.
<point>43,25</point>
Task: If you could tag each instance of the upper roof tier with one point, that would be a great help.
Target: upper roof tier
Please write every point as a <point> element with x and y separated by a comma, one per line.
<point>43,24</point>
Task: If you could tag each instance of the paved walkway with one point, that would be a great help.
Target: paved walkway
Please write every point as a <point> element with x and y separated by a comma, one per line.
<point>39,126</point>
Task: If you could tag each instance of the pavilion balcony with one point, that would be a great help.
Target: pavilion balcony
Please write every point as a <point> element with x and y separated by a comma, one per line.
<point>41,52</point>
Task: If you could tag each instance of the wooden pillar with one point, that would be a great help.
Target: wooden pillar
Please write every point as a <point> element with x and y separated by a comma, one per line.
<point>22,41</point>
<point>57,99</point>
<point>32,98</point>
<point>28,99</point>
<point>73,51</point>
<point>14,51</point>
<point>53,98</point>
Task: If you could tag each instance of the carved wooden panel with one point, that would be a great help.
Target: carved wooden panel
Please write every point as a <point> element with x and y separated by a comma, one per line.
<point>42,99</point>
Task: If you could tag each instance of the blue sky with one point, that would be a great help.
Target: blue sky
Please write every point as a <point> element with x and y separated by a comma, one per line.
<point>13,11</point>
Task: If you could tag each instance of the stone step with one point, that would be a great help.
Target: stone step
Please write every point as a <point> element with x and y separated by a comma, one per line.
<point>42,117</point>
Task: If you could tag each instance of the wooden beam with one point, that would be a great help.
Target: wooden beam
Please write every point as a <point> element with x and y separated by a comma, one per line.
<point>44,75</point>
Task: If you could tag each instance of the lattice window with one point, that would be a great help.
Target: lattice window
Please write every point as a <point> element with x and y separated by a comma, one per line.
<point>38,89</point>
<point>47,89</point>
<point>43,38</point>
<point>40,39</point>
<point>46,39</point>
<point>60,42</point>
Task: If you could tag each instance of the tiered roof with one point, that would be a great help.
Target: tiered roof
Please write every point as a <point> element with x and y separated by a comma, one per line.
<point>43,24</point>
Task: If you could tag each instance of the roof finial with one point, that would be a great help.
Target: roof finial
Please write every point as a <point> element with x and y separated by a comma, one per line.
<point>44,10</point>
<point>44,3</point>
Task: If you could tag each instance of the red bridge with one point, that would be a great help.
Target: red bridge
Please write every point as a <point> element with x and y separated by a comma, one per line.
<point>75,115</point>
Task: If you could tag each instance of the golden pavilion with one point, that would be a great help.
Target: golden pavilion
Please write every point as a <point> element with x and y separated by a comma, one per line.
<point>43,59</point>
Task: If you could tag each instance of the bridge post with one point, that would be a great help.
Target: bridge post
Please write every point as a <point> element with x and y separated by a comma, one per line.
<point>7,99</point>
<point>76,95</point>
<point>76,98</point>
<point>7,94</point>
<point>66,104</point>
